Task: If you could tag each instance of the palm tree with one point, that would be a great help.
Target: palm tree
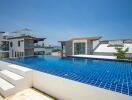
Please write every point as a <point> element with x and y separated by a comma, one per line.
<point>120,53</point>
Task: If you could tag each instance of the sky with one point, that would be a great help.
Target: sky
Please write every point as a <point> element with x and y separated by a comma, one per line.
<point>64,19</point>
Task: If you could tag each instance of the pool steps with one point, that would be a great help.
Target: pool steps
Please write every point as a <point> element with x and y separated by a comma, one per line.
<point>6,88</point>
<point>14,78</point>
<point>11,77</point>
<point>18,69</point>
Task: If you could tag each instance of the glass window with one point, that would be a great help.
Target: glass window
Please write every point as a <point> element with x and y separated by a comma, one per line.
<point>79,48</point>
<point>19,43</point>
<point>15,54</point>
<point>11,44</point>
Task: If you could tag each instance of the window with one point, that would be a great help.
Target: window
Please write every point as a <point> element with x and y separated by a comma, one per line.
<point>11,44</point>
<point>15,54</point>
<point>12,53</point>
<point>19,43</point>
<point>79,48</point>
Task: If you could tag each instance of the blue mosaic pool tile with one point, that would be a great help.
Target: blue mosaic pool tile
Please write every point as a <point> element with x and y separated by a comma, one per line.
<point>111,75</point>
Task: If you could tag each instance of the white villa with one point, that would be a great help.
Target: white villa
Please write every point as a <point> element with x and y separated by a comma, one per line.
<point>107,47</point>
<point>94,46</point>
<point>17,44</point>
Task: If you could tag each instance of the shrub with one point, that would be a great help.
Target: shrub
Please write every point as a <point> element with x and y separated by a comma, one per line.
<point>120,53</point>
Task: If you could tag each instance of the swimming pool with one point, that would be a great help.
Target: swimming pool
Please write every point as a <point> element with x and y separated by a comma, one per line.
<point>107,74</point>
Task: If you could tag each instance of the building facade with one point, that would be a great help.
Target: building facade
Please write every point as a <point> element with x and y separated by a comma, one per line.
<point>79,46</point>
<point>95,46</point>
<point>4,48</point>
<point>22,46</point>
<point>107,47</point>
<point>19,45</point>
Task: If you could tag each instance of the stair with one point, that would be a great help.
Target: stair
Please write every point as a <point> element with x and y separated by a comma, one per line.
<point>14,78</point>
<point>6,88</point>
<point>18,69</point>
<point>11,77</point>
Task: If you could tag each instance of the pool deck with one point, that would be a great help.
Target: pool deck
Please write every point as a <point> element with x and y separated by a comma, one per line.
<point>95,56</point>
<point>28,94</point>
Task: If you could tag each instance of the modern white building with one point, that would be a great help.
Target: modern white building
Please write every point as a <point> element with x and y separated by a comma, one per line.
<point>17,44</point>
<point>80,46</point>
<point>107,47</point>
<point>22,45</point>
<point>95,46</point>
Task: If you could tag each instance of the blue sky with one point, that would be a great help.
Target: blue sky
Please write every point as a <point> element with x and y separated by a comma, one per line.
<point>63,19</point>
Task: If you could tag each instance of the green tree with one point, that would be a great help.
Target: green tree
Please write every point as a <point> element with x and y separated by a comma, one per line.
<point>56,50</point>
<point>120,53</point>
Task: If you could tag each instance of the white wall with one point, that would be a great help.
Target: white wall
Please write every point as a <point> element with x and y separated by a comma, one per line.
<point>15,46</point>
<point>95,43</point>
<point>105,48</point>
<point>65,89</point>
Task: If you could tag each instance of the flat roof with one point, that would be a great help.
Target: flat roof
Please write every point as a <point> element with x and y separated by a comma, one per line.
<point>117,40</point>
<point>84,38</point>
<point>27,37</point>
<point>2,32</point>
<point>19,37</point>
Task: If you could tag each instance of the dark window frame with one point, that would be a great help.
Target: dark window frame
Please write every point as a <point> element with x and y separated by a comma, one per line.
<point>11,44</point>
<point>19,43</point>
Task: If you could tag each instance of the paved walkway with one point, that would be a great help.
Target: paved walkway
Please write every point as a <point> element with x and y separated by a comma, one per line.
<point>29,94</point>
<point>1,98</point>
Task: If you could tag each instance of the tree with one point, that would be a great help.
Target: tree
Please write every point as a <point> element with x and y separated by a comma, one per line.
<point>120,53</point>
<point>56,50</point>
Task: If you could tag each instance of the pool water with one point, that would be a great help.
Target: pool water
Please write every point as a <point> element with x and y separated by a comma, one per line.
<point>107,74</point>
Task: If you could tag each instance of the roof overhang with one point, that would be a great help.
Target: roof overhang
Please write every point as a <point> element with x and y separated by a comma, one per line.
<point>38,39</point>
<point>19,37</point>
<point>83,38</point>
<point>28,37</point>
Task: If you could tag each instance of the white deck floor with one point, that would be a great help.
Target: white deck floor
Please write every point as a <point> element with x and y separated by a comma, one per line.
<point>28,94</point>
<point>95,56</point>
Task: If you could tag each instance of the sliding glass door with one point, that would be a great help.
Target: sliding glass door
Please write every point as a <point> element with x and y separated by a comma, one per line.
<point>79,48</point>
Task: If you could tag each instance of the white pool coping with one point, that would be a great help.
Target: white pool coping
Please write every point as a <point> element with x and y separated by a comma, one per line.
<point>66,89</point>
<point>95,56</point>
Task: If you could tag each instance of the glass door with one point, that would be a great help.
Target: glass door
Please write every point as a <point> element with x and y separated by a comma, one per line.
<point>79,48</point>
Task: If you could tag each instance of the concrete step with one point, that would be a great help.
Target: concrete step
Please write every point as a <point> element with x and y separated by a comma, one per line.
<point>18,76</point>
<point>14,68</point>
<point>6,88</point>
<point>3,64</point>
<point>23,71</point>
<point>13,78</point>
<point>19,69</point>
